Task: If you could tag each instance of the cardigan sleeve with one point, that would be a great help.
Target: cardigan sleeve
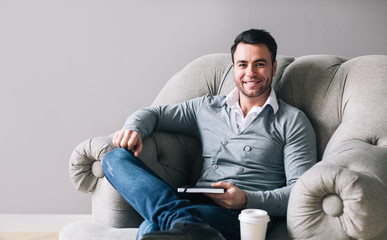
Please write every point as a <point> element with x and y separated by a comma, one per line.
<point>299,154</point>
<point>180,118</point>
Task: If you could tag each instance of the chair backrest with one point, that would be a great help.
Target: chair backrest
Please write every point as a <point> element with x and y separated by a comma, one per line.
<point>332,91</point>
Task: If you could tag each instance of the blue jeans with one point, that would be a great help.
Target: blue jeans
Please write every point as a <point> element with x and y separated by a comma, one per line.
<point>158,203</point>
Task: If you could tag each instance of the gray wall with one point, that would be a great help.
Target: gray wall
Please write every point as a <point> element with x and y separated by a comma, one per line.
<point>74,69</point>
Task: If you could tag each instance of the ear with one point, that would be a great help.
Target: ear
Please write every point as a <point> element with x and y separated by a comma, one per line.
<point>274,68</point>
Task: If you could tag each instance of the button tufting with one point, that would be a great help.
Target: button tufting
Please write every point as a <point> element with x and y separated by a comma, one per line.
<point>372,140</point>
<point>96,169</point>
<point>214,166</point>
<point>247,148</point>
<point>224,142</point>
<point>332,205</point>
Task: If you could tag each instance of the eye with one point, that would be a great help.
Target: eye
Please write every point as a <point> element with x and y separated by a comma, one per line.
<point>260,64</point>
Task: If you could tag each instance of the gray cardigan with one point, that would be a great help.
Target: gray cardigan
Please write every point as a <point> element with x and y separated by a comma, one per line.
<point>264,160</point>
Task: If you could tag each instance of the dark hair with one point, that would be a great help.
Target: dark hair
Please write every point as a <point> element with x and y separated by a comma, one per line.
<point>254,36</point>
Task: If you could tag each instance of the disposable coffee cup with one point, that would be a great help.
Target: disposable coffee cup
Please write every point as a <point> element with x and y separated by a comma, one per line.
<point>253,224</point>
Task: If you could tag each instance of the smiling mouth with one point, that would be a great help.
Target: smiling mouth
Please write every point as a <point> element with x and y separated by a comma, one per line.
<point>251,83</point>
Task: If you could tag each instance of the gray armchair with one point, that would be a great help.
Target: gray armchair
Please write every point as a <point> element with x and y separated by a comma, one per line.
<point>344,196</point>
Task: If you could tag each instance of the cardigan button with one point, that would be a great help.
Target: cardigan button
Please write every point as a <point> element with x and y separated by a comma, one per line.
<point>247,148</point>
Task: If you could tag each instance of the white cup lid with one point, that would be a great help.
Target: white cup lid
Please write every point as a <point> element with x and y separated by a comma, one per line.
<point>254,216</point>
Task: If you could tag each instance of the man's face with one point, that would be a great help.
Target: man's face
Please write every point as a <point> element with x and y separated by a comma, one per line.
<point>253,71</point>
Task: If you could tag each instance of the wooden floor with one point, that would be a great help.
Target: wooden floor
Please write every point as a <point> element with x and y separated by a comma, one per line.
<point>36,226</point>
<point>28,236</point>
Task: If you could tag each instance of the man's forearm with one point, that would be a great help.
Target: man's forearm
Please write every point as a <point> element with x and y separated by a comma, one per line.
<point>143,121</point>
<point>275,202</point>
<point>179,118</point>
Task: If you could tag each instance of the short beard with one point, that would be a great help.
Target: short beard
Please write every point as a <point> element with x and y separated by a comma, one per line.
<point>261,91</point>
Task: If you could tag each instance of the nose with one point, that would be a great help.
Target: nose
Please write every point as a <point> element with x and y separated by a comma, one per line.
<point>251,71</point>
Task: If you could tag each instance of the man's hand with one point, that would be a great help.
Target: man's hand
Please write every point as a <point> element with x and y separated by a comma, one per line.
<point>232,198</point>
<point>128,139</point>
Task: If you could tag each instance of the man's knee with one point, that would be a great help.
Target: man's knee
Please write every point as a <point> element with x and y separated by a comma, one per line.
<point>113,159</point>
<point>147,227</point>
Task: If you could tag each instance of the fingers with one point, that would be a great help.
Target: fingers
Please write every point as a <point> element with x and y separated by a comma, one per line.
<point>219,198</point>
<point>119,137</point>
<point>138,148</point>
<point>225,185</point>
<point>128,139</point>
<point>116,138</point>
<point>233,198</point>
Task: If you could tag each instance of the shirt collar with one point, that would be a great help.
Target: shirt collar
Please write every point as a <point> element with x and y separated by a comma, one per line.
<point>232,100</point>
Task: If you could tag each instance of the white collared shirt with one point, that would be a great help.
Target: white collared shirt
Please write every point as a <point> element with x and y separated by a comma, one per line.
<point>242,122</point>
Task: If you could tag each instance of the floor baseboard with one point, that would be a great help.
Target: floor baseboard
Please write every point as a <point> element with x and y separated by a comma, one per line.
<point>28,236</point>
<point>38,222</point>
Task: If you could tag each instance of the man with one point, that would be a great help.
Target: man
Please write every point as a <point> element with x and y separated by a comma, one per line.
<point>255,147</point>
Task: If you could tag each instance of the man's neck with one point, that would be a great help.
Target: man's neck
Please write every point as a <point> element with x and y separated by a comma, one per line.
<point>247,103</point>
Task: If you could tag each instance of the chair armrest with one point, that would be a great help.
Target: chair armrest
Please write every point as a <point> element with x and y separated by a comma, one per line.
<point>175,158</point>
<point>85,166</point>
<point>342,197</point>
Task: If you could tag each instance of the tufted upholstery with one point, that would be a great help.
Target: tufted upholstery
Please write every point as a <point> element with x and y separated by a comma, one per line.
<point>346,192</point>
<point>343,196</point>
